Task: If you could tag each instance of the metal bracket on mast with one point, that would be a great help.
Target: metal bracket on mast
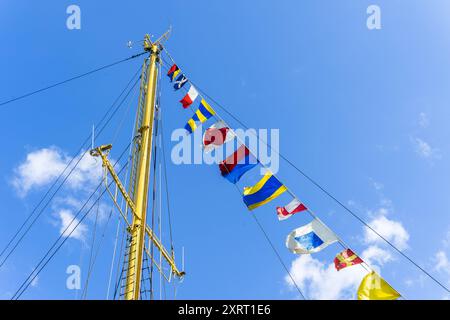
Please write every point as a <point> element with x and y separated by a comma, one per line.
<point>103,152</point>
<point>148,42</point>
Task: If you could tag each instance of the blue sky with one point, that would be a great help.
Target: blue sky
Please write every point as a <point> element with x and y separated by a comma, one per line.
<point>361,111</point>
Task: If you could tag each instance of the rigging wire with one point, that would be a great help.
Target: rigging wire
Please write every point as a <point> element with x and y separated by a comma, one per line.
<point>159,141</point>
<point>160,227</point>
<point>262,228</point>
<point>90,265</point>
<point>364,265</point>
<point>320,187</point>
<point>341,242</point>
<point>315,183</point>
<point>278,255</point>
<point>119,275</point>
<point>117,234</point>
<point>124,117</point>
<point>162,161</point>
<point>63,234</point>
<point>70,79</point>
<point>102,127</point>
<point>113,257</point>
<point>100,243</point>
<point>90,270</point>
<point>166,186</point>
<point>155,159</point>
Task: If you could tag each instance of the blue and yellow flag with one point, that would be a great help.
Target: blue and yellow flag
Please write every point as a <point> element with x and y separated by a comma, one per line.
<point>267,189</point>
<point>203,113</point>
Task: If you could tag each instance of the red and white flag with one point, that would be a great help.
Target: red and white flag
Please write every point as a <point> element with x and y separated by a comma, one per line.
<point>190,97</point>
<point>217,135</point>
<point>291,208</point>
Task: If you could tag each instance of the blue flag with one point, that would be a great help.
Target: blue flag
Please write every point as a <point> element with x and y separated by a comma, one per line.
<point>180,82</point>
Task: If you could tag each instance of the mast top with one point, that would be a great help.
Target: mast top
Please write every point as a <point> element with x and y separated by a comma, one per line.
<point>155,46</point>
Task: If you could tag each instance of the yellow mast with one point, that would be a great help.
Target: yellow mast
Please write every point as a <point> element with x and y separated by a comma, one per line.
<point>137,201</point>
<point>137,228</point>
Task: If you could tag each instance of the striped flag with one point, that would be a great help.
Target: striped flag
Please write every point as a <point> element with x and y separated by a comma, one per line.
<point>291,208</point>
<point>237,164</point>
<point>267,189</point>
<point>203,113</point>
<point>190,97</point>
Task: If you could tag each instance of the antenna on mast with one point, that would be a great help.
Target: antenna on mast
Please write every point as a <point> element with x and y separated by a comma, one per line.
<point>93,137</point>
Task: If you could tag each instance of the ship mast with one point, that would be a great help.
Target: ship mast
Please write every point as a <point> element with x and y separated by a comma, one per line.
<point>136,197</point>
<point>137,228</point>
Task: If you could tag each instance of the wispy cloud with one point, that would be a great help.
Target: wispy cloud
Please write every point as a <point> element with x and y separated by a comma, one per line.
<point>442,262</point>
<point>441,259</point>
<point>424,120</point>
<point>69,226</point>
<point>35,282</point>
<point>424,149</point>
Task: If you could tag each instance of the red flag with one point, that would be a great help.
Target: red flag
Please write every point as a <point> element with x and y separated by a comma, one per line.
<point>217,135</point>
<point>173,72</point>
<point>346,259</point>
<point>189,98</point>
<point>291,208</point>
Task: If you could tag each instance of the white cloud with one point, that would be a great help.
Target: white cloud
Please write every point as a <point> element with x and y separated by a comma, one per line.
<point>424,121</point>
<point>87,173</point>
<point>43,166</point>
<point>377,185</point>
<point>375,255</point>
<point>71,203</point>
<point>442,262</point>
<point>320,281</point>
<point>424,149</point>
<point>35,282</point>
<point>39,168</point>
<point>391,230</point>
<point>66,220</point>
<point>446,241</point>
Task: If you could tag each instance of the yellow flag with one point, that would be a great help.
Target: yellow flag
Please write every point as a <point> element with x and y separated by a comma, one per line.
<point>373,287</point>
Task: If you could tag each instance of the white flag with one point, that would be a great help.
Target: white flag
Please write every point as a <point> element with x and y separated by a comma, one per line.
<point>310,238</point>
